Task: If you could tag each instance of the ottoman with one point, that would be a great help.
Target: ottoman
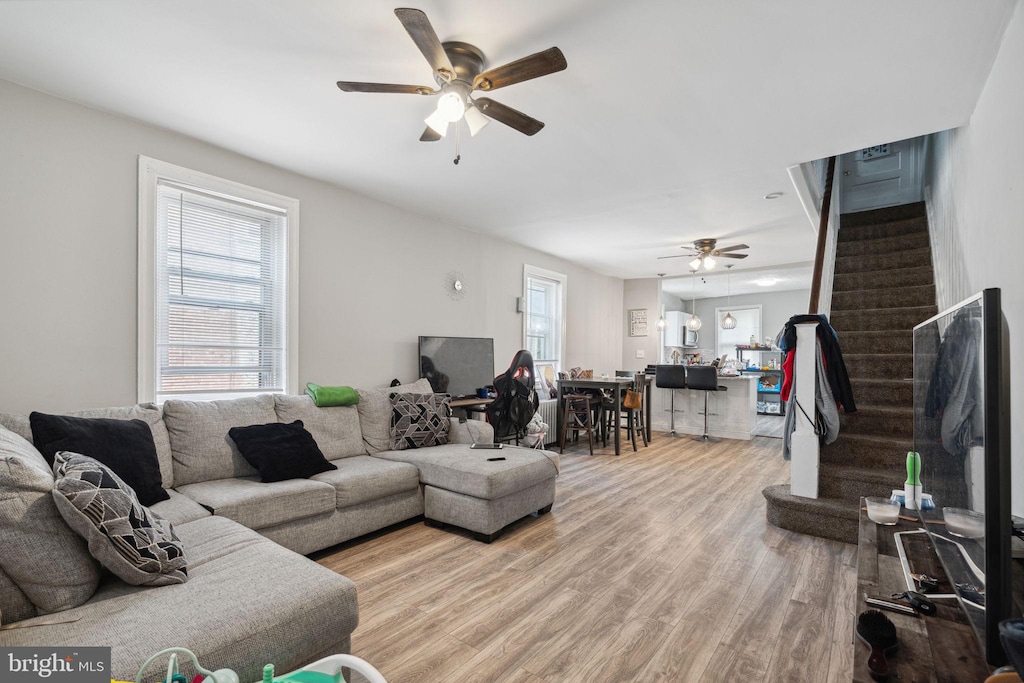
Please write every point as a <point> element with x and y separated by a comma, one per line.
<point>466,488</point>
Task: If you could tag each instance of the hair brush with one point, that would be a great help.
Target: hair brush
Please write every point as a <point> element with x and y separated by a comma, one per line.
<point>879,634</point>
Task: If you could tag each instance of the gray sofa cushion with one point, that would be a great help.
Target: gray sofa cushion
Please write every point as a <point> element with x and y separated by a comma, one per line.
<point>471,431</point>
<point>336,429</point>
<point>129,540</point>
<point>256,504</point>
<point>40,553</point>
<point>458,468</point>
<point>14,604</point>
<point>198,431</point>
<point>179,509</point>
<point>361,478</point>
<point>147,412</point>
<point>375,413</point>
<point>248,601</point>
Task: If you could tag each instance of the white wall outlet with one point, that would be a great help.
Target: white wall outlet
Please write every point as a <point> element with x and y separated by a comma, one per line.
<point>639,353</point>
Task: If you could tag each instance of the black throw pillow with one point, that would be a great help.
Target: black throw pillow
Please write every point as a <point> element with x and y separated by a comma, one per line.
<point>280,450</point>
<point>125,446</point>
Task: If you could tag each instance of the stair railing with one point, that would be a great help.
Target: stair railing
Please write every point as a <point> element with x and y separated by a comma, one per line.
<point>804,444</point>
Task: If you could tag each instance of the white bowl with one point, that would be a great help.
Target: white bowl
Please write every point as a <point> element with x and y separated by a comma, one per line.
<point>883,511</point>
<point>964,523</point>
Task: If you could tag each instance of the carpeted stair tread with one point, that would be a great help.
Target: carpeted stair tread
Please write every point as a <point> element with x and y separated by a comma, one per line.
<point>823,517</point>
<point>883,391</point>
<point>874,279</point>
<point>889,214</point>
<point>877,341</point>
<point>879,245</point>
<point>852,481</point>
<point>880,420</point>
<point>867,450</point>
<point>886,297</point>
<point>896,366</point>
<point>881,318</point>
<point>908,258</point>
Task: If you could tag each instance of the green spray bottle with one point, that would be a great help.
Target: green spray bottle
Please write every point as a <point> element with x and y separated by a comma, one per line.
<point>912,487</point>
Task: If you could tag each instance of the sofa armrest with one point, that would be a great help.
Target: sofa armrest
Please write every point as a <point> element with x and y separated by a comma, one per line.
<point>471,431</point>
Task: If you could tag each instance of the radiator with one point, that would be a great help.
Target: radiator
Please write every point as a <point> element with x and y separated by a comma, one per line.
<point>548,411</point>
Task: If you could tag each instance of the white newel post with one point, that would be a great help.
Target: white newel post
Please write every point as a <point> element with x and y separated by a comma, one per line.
<point>803,475</point>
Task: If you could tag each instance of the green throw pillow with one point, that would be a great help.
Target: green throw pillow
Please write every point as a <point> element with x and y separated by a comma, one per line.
<point>332,396</point>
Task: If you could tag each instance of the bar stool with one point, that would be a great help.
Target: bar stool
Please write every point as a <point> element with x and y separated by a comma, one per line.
<point>704,378</point>
<point>634,416</point>
<point>671,377</point>
<point>577,416</point>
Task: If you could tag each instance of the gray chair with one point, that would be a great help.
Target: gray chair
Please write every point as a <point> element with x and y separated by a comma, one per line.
<point>671,377</point>
<point>704,378</point>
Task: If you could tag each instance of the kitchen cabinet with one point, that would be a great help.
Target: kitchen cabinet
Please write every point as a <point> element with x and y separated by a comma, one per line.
<point>675,321</point>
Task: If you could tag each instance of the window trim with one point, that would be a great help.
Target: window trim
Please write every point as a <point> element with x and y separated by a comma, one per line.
<point>150,171</point>
<point>563,280</point>
<point>720,311</point>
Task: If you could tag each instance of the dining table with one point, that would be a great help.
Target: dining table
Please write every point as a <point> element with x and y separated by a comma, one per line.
<point>614,386</point>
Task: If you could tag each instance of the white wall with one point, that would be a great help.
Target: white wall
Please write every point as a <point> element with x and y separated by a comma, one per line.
<point>975,196</point>
<point>640,293</point>
<point>776,309</point>
<point>372,276</point>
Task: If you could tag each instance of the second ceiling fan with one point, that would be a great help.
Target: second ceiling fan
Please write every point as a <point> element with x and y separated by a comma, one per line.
<point>704,253</point>
<point>459,72</point>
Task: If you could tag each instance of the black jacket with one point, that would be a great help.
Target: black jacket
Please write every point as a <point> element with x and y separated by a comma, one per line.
<point>835,367</point>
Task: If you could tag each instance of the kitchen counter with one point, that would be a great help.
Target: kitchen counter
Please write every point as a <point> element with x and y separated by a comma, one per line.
<point>733,413</point>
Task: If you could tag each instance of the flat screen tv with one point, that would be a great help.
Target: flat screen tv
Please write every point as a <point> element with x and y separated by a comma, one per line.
<point>961,430</point>
<point>457,365</point>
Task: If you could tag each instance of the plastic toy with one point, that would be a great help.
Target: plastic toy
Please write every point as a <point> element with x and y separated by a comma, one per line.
<point>326,670</point>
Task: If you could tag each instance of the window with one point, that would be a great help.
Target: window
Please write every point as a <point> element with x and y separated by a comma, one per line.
<point>748,322</point>
<point>544,316</point>
<point>217,286</point>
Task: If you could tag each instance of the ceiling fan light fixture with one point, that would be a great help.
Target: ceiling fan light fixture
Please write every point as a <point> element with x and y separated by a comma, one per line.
<point>695,263</point>
<point>709,263</point>
<point>451,105</point>
<point>475,120</point>
<point>438,123</point>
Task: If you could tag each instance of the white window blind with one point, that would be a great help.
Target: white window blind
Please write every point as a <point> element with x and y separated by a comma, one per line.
<point>220,294</point>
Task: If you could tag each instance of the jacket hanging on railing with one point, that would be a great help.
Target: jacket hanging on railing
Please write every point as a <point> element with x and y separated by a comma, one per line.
<point>835,367</point>
<point>826,415</point>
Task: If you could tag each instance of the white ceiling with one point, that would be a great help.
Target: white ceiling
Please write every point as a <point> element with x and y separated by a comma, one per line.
<point>722,282</point>
<point>670,124</point>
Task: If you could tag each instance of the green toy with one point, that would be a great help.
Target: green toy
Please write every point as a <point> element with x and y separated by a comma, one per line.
<point>326,670</point>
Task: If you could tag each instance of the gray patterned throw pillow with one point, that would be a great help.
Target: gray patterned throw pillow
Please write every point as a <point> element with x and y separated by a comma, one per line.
<point>127,538</point>
<point>419,420</point>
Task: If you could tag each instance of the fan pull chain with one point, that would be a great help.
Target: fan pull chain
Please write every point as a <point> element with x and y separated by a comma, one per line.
<point>458,142</point>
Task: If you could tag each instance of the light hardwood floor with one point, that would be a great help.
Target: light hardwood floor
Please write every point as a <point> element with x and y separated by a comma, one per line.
<point>652,566</point>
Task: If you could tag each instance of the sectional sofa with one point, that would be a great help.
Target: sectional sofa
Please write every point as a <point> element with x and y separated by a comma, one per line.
<point>251,596</point>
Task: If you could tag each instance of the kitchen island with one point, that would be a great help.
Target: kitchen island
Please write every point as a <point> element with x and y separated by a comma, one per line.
<point>733,412</point>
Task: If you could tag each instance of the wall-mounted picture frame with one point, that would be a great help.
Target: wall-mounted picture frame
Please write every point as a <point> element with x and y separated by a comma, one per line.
<point>638,322</point>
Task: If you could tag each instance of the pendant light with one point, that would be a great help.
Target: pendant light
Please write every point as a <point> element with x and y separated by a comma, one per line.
<point>662,323</point>
<point>728,322</point>
<point>693,323</point>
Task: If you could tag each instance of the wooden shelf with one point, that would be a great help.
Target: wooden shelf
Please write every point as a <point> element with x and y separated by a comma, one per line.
<point>938,648</point>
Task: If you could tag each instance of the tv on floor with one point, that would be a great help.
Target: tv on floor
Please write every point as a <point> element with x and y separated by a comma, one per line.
<point>961,430</point>
<point>457,365</point>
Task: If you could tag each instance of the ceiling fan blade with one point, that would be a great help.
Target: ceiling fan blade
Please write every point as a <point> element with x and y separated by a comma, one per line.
<point>352,86</point>
<point>677,256</point>
<point>735,247</point>
<point>509,116</point>
<point>430,135</point>
<point>422,33</point>
<point>731,255</point>
<point>539,64</point>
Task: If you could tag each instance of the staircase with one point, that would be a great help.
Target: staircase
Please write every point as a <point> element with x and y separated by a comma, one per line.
<point>883,286</point>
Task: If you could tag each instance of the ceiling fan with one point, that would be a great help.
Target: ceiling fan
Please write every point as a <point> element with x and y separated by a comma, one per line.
<point>459,72</point>
<point>704,254</point>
